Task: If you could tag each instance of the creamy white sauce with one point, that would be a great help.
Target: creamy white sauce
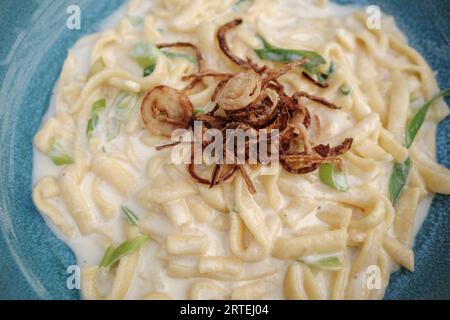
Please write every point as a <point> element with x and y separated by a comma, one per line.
<point>151,275</point>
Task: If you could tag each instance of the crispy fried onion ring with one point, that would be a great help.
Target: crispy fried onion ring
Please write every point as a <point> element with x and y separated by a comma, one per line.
<point>327,151</point>
<point>260,112</point>
<point>314,81</point>
<point>311,97</point>
<point>208,73</point>
<point>249,100</point>
<point>198,54</point>
<point>221,37</point>
<point>275,74</point>
<point>302,162</point>
<point>240,91</point>
<point>220,174</point>
<point>165,109</point>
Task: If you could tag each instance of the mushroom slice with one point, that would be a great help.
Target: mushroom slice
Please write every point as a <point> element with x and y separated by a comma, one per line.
<point>165,109</point>
<point>240,91</point>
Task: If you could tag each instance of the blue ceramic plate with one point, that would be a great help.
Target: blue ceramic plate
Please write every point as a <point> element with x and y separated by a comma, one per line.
<point>33,45</point>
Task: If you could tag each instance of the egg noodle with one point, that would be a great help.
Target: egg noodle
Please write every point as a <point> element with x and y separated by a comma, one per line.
<point>143,228</point>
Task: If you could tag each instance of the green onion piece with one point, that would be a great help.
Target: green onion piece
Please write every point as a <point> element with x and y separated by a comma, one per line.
<point>417,121</point>
<point>398,179</point>
<point>133,219</point>
<point>332,177</point>
<point>266,44</point>
<point>271,53</point>
<point>345,89</point>
<point>98,66</point>
<point>149,69</point>
<point>198,111</point>
<point>331,69</point>
<point>401,171</point>
<point>144,53</point>
<point>58,154</point>
<point>329,73</point>
<point>98,105</point>
<point>175,55</point>
<point>123,105</point>
<point>328,263</point>
<point>126,248</point>
<point>113,130</point>
<point>107,257</point>
<point>62,160</point>
<point>93,121</point>
<point>322,77</point>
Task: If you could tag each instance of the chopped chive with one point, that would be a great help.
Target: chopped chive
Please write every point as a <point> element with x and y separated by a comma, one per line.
<point>107,257</point>
<point>126,248</point>
<point>400,171</point>
<point>132,218</point>
<point>328,263</point>
<point>417,121</point>
<point>149,69</point>
<point>98,105</point>
<point>146,55</point>
<point>329,73</point>
<point>398,179</point>
<point>96,67</point>
<point>58,155</point>
<point>93,121</point>
<point>272,53</point>
<point>62,160</point>
<point>333,177</point>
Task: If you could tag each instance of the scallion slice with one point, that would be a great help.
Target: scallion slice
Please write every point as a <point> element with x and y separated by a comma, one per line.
<point>113,255</point>
<point>333,177</point>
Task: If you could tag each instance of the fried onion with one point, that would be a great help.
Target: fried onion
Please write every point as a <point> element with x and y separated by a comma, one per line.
<point>253,100</point>
<point>198,54</point>
<point>165,109</point>
<point>221,37</point>
<point>240,91</point>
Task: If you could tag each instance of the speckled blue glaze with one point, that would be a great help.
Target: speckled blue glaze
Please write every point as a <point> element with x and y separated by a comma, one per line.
<point>33,46</point>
